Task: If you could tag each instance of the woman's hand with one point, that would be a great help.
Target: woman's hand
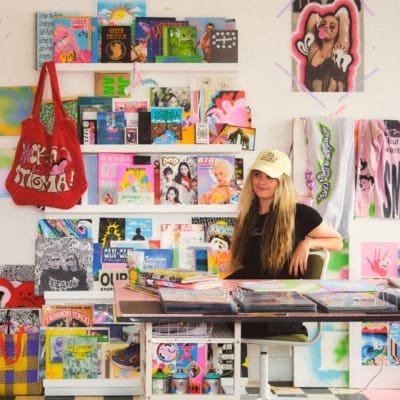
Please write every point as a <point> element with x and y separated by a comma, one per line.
<point>298,263</point>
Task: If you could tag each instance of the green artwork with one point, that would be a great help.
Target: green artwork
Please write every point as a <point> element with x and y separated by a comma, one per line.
<point>47,112</point>
<point>15,105</point>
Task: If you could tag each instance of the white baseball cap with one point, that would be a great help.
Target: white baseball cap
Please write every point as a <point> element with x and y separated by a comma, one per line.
<point>274,163</point>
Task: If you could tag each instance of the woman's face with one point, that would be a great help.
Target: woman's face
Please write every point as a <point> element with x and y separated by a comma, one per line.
<point>263,185</point>
<point>173,102</point>
<point>328,28</point>
<point>184,170</point>
<point>220,175</point>
<point>171,195</point>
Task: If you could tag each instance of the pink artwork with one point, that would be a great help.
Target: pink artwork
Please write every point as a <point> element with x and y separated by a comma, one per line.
<point>379,259</point>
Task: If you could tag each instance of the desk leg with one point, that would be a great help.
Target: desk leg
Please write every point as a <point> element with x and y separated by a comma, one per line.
<point>148,389</point>
<point>237,362</point>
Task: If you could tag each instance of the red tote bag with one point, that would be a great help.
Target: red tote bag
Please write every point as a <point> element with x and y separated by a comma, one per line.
<point>48,167</point>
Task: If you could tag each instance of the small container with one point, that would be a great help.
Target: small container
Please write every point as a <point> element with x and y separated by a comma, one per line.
<point>211,383</point>
<point>159,382</point>
<point>179,382</point>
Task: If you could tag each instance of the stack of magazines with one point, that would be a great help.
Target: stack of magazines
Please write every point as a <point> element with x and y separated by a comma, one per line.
<point>189,301</point>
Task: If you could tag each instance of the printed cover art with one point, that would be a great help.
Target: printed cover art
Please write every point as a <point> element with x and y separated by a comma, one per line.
<point>80,357</point>
<point>181,238</point>
<point>179,41</point>
<point>135,184</point>
<point>11,319</point>
<point>17,286</point>
<point>178,179</point>
<point>67,315</point>
<point>111,229</point>
<point>110,127</point>
<point>107,175</point>
<point>72,39</point>
<point>221,106</point>
<point>64,227</point>
<point>63,264</point>
<point>166,124</point>
<point>216,179</point>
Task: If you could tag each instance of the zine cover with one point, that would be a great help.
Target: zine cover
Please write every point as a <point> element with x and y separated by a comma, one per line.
<point>111,229</point>
<point>165,96</point>
<point>221,106</point>
<point>178,179</point>
<point>65,227</point>
<point>138,228</point>
<point>107,175</point>
<point>245,136</point>
<point>80,358</point>
<point>63,264</point>
<point>74,316</point>
<point>72,39</point>
<point>180,238</point>
<point>135,184</point>
<point>166,124</point>
<point>216,179</point>
<point>110,127</point>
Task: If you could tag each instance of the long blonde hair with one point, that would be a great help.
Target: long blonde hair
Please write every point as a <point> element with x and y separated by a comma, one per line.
<point>278,230</point>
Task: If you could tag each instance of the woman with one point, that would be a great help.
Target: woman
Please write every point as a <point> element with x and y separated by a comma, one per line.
<point>184,183</point>
<point>274,234</point>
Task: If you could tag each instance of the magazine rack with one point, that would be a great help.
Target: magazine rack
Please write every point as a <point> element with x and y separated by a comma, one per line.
<point>317,267</point>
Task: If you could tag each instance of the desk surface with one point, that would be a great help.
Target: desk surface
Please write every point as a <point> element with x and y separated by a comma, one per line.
<point>132,306</point>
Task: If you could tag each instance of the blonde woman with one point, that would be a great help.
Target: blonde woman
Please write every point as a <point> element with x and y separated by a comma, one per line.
<point>274,234</point>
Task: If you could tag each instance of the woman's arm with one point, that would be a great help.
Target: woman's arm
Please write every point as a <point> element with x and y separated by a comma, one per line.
<point>321,237</point>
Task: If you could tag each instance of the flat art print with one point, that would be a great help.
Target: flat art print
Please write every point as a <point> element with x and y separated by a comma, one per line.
<point>327,46</point>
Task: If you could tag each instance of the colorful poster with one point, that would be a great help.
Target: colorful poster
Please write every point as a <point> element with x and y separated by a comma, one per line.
<point>15,105</point>
<point>326,46</point>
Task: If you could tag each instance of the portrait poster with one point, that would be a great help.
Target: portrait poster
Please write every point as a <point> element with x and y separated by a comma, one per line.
<point>327,46</point>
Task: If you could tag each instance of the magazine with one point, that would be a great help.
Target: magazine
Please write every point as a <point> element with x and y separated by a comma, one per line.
<point>191,301</point>
<point>273,301</point>
<point>366,302</point>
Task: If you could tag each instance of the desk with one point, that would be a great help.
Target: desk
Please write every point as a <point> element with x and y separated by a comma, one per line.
<point>145,309</point>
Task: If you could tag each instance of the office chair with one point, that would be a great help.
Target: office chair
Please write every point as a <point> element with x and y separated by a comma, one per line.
<point>317,267</point>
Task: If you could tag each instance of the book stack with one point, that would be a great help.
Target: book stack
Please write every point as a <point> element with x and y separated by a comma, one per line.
<point>190,301</point>
<point>180,278</point>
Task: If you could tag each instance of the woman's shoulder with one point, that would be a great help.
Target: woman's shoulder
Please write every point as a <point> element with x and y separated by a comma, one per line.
<point>305,209</point>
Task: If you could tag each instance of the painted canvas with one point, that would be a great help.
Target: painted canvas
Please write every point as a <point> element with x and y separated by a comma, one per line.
<point>15,105</point>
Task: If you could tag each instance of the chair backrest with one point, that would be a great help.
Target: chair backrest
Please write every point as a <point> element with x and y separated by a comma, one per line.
<point>318,261</point>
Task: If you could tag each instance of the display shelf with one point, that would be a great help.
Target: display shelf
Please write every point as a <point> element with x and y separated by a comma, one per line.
<point>190,209</point>
<point>149,67</point>
<point>93,387</point>
<point>78,297</point>
<point>163,148</point>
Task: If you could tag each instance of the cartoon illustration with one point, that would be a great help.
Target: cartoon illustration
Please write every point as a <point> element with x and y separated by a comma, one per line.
<point>325,47</point>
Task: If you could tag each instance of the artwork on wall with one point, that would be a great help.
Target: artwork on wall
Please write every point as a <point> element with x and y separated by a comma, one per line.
<point>327,46</point>
<point>15,105</point>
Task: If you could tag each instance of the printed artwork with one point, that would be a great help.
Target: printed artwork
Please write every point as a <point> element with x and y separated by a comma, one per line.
<point>379,259</point>
<point>326,46</point>
<point>15,105</point>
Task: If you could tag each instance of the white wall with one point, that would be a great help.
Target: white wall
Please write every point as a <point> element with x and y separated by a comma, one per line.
<point>264,41</point>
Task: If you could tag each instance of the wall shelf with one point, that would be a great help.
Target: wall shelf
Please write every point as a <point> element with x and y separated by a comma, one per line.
<point>147,209</point>
<point>149,67</point>
<point>92,387</point>
<point>163,148</point>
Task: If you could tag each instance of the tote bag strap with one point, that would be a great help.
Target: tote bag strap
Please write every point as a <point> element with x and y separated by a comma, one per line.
<point>9,361</point>
<point>48,66</point>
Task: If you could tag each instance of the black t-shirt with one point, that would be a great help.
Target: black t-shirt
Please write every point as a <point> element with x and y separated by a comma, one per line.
<point>306,220</point>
